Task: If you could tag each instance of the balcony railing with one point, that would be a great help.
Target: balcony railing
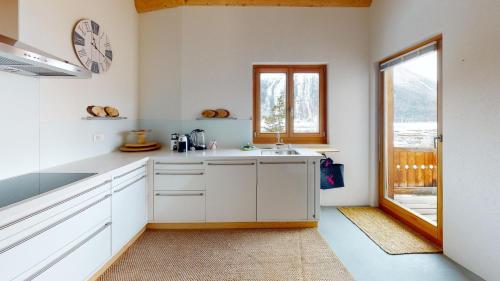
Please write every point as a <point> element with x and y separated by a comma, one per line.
<point>414,171</point>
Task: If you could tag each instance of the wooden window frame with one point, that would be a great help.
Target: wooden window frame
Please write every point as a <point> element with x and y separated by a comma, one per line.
<point>430,231</point>
<point>290,136</point>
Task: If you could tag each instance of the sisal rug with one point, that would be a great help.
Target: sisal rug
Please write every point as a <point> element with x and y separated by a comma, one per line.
<point>392,236</point>
<point>192,255</point>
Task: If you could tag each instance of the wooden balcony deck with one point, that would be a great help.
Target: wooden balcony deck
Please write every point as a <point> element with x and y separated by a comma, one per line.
<point>424,205</point>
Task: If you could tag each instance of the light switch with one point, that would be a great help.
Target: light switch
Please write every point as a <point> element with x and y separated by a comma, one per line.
<point>98,138</point>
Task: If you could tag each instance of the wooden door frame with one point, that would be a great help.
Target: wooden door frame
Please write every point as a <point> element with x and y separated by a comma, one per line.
<point>434,233</point>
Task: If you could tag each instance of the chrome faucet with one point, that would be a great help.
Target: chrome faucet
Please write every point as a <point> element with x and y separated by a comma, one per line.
<point>279,142</point>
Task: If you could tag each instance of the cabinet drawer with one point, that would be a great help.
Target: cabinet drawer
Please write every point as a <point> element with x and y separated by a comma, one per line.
<point>80,260</point>
<point>179,180</point>
<point>182,165</point>
<point>124,175</point>
<point>28,248</point>
<point>179,206</point>
<point>30,218</point>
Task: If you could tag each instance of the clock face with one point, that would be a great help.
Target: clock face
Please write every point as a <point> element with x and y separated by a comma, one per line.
<point>92,46</point>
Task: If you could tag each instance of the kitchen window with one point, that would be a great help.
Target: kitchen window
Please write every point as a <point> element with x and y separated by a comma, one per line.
<point>289,100</point>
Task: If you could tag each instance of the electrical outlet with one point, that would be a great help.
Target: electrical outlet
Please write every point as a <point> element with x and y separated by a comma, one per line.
<point>98,138</point>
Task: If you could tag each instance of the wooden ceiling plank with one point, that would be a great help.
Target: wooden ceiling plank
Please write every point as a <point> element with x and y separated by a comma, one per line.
<point>143,6</point>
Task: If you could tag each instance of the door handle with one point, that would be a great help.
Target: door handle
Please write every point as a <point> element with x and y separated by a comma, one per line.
<point>231,164</point>
<point>179,173</point>
<point>129,172</point>
<point>275,163</point>
<point>436,139</point>
<point>179,163</point>
<point>179,194</point>
<point>123,188</point>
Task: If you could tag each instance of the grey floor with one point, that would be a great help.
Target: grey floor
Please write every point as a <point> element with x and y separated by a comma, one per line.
<point>367,262</point>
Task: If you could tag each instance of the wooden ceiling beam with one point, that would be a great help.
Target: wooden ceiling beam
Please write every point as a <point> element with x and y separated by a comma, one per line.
<point>143,6</point>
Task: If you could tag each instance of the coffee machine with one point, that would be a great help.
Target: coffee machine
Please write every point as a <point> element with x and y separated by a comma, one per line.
<point>197,139</point>
<point>174,140</point>
<point>183,144</point>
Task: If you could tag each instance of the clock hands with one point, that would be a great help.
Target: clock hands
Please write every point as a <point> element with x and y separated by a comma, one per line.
<point>95,47</point>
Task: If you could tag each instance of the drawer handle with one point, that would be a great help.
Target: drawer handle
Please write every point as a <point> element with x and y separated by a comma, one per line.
<point>180,194</point>
<point>53,205</point>
<point>129,172</point>
<point>179,163</point>
<point>47,228</point>
<point>231,164</point>
<point>272,163</point>
<point>69,251</point>
<point>123,188</point>
<point>180,174</point>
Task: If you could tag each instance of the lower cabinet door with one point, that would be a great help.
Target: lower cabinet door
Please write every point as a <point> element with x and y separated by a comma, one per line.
<point>80,261</point>
<point>27,249</point>
<point>179,206</point>
<point>282,191</point>
<point>128,211</point>
<point>231,191</point>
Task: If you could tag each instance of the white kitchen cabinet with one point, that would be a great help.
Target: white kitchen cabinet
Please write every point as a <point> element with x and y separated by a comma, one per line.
<point>128,210</point>
<point>179,206</point>
<point>179,191</point>
<point>74,231</point>
<point>31,214</point>
<point>80,260</point>
<point>282,191</point>
<point>30,247</point>
<point>231,191</point>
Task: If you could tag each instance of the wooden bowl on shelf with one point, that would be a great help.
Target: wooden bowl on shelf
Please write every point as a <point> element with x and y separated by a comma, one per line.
<point>208,113</point>
<point>222,113</point>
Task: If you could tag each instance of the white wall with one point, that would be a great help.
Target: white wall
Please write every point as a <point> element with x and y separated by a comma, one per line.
<point>160,41</point>
<point>48,26</point>
<point>471,114</point>
<point>217,47</point>
<point>19,125</point>
<point>41,121</point>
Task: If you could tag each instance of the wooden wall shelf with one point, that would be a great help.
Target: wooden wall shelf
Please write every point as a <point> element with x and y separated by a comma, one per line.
<point>103,118</point>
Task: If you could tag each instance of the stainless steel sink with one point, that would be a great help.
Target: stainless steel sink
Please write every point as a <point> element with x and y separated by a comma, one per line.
<point>279,152</point>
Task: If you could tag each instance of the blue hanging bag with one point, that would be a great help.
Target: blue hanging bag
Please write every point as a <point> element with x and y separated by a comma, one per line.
<point>332,174</point>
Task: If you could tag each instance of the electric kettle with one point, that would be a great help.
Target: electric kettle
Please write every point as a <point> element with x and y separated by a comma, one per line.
<point>198,139</point>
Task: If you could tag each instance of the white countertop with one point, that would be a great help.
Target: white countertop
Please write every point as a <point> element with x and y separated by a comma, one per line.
<point>100,164</point>
<point>111,161</point>
<point>230,153</point>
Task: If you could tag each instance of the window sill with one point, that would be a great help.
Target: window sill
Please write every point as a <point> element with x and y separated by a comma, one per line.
<point>320,148</point>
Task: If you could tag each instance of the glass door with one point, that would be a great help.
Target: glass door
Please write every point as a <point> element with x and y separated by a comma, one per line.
<point>411,139</point>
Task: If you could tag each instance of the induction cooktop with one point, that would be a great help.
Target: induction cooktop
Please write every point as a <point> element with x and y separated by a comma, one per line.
<point>16,189</point>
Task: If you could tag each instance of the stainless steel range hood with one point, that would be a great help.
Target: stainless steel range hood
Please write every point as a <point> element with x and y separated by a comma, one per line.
<point>19,58</point>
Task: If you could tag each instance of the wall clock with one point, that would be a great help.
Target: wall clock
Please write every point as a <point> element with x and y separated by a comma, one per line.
<point>92,46</point>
